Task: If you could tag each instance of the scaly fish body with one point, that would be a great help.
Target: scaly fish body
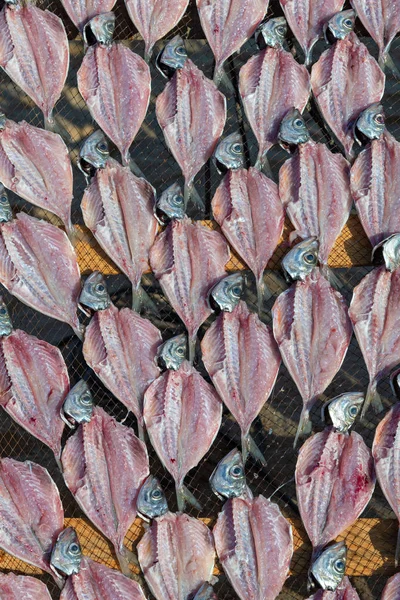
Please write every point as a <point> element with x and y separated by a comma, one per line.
<point>81,11</point>
<point>15,587</point>
<point>255,546</point>
<point>344,591</point>
<point>346,80</point>
<point>392,588</point>
<point>176,555</point>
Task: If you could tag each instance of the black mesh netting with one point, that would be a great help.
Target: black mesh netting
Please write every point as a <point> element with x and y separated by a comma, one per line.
<point>371,549</point>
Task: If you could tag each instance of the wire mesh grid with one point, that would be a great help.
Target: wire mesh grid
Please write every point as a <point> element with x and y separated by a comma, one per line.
<point>275,428</point>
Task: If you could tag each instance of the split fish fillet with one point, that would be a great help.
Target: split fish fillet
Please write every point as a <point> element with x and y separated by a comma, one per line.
<point>81,11</point>
<point>15,587</point>
<point>344,591</point>
<point>392,588</point>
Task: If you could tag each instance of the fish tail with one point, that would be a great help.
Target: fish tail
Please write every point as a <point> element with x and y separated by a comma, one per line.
<point>250,447</point>
<point>141,432</point>
<point>329,274</point>
<point>387,64</point>
<point>304,427</point>
<point>59,463</point>
<point>55,126</point>
<point>397,554</point>
<point>148,53</point>
<point>79,331</point>
<point>183,495</point>
<point>192,348</point>
<point>124,558</point>
<point>260,294</point>
<point>372,398</point>
<point>221,77</point>
<point>134,167</point>
<point>308,58</point>
<point>190,193</point>
<point>262,164</point>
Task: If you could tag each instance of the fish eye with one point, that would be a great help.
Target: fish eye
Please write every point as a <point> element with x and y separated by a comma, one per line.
<point>102,147</point>
<point>237,291</point>
<point>380,119</point>
<point>74,548</point>
<point>110,26</point>
<point>180,350</point>
<point>156,494</point>
<point>299,123</point>
<point>237,472</point>
<point>3,311</point>
<point>353,410</point>
<point>348,23</point>
<point>237,148</point>
<point>86,398</point>
<point>310,258</point>
<point>181,50</point>
<point>4,199</point>
<point>281,30</point>
<point>178,199</point>
<point>100,287</point>
<point>340,566</point>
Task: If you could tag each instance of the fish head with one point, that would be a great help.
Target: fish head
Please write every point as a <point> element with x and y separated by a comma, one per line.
<point>172,57</point>
<point>173,352</point>
<point>5,207</point>
<point>229,153</point>
<point>301,260</point>
<point>67,553</point>
<point>344,409</point>
<point>151,501</point>
<point>271,33</point>
<point>228,479</point>
<point>330,566</point>
<point>395,382</point>
<point>100,29</point>
<point>94,293</point>
<point>170,205</point>
<point>3,120</point>
<point>387,252</point>
<point>226,294</point>
<point>206,592</point>
<point>6,326</point>
<point>340,25</point>
<point>79,403</point>
<point>371,122</point>
<point>93,154</point>
<point>293,129</point>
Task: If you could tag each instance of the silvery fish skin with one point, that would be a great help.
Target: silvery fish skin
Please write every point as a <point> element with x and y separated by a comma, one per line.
<point>228,479</point>
<point>94,293</point>
<point>96,581</point>
<point>81,11</point>
<point>293,129</point>
<point>95,150</point>
<point>301,260</point>
<point>371,121</point>
<point>173,56</point>
<point>306,20</point>
<point>15,587</point>
<point>265,104</point>
<point>6,326</point>
<point>35,165</point>
<point>341,24</point>
<point>172,353</point>
<point>230,152</point>
<point>336,80</point>
<point>392,588</point>
<point>151,501</point>
<point>171,204</point>
<point>273,32</point>
<point>192,413</point>
<point>5,207</point>
<point>226,294</point>
<point>78,405</point>
<point>206,592</point>
<point>228,24</point>
<point>313,331</point>
<point>330,566</point>
<point>390,251</point>
<point>344,591</point>
<point>102,27</point>
<point>67,554</point>
<point>31,521</point>
<point>343,410</point>
<point>176,555</point>
<point>335,480</point>
<point>34,53</point>
<point>255,546</point>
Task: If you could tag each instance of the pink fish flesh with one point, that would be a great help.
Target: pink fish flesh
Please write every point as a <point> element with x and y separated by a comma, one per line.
<point>183,415</point>
<point>15,587</point>
<point>228,24</point>
<point>155,18</point>
<point>313,331</point>
<point>345,81</point>
<point>34,383</point>
<point>121,347</point>
<point>314,186</point>
<point>81,11</point>
<point>344,591</point>
<point>375,314</point>
<point>254,545</point>
<point>34,53</point>
<point>306,19</point>
<point>31,513</point>
<point>189,259</point>
<point>335,480</point>
<point>242,359</point>
<point>39,266</point>
<point>249,211</point>
<point>270,84</point>
<point>392,588</point>
<point>176,555</point>
<point>116,84</point>
<point>35,165</point>
<point>375,186</point>
<point>104,466</point>
<point>192,114</point>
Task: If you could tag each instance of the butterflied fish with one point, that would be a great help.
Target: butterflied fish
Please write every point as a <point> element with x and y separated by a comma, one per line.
<point>95,581</point>
<point>118,208</point>
<point>176,555</point>
<point>330,566</point>
<point>392,588</point>
<point>115,84</point>
<point>228,479</point>
<point>66,555</point>
<point>307,19</point>
<point>15,587</point>
<point>31,513</point>
<point>39,266</point>
<point>172,353</point>
<point>34,53</point>
<point>155,18</point>
<point>182,413</point>
<point>151,501</point>
<point>191,134</point>
<point>344,591</point>
<point>270,84</point>
<point>121,347</point>
<point>82,11</point>
<point>375,184</point>
<point>313,331</point>
<point>249,211</point>
<point>78,405</point>
<point>255,546</point>
<point>104,465</point>
<point>188,259</point>
<point>314,186</point>
<point>345,80</point>
<point>35,165</point>
<point>227,25</point>
<point>335,480</point>
<point>242,359</point>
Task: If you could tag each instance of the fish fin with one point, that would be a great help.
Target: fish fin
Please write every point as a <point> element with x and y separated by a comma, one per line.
<point>372,398</point>
<point>183,495</point>
<point>260,294</point>
<point>54,125</point>
<point>250,447</point>
<point>387,64</point>
<point>333,279</point>
<point>192,348</point>
<point>75,235</point>
<point>308,58</point>
<point>304,427</point>
<point>134,167</point>
<point>79,332</point>
<point>221,78</point>
<point>397,554</point>
<point>125,557</point>
<point>140,431</point>
<point>142,301</point>
<point>262,164</point>
<point>281,486</point>
<point>190,193</point>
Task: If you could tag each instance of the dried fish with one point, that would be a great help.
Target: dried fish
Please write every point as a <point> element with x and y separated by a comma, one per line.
<point>81,11</point>
<point>15,587</point>
<point>330,566</point>
<point>66,555</point>
<point>392,588</point>
<point>344,591</point>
